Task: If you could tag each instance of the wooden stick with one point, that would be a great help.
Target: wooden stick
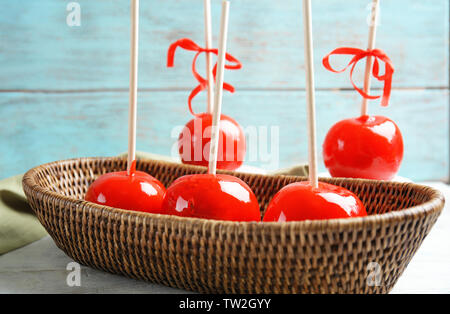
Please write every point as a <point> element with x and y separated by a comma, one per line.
<point>310,97</point>
<point>371,45</point>
<point>219,88</point>
<point>133,83</point>
<point>208,45</point>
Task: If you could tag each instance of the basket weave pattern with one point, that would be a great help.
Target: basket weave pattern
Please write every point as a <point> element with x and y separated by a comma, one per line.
<point>330,256</point>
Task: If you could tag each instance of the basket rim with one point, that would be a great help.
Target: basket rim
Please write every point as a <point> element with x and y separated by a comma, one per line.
<point>435,204</point>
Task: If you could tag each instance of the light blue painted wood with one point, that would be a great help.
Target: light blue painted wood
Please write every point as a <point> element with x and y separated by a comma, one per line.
<point>39,51</point>
<point>38,128</point>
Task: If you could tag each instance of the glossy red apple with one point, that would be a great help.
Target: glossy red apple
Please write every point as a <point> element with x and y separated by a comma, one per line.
<point>193,142</point>
<point>369,147</point>
<point>300,201</point>
<point>220,197</point>
<point>138,191</point>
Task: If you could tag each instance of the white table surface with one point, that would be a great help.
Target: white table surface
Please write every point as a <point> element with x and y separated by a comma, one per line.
<point>41,268</point>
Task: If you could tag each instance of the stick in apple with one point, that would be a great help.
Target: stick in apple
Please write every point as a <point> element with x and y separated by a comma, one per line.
<point>133,83</point>
<point>300,201</point>
<point>104,190</point>
<point>310,97</point>
<point>371,45</point>
<point>215,130</point>
<point>214,195</point>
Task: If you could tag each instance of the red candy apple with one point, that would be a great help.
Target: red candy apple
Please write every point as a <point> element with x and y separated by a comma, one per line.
<point>369,147</point>
<point>220,197</point>
<point>301,201</point>
<point>193,142</point>
<point>138,191</point>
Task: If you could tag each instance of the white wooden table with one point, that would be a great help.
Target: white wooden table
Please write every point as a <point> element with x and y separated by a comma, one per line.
<point>41,268</point>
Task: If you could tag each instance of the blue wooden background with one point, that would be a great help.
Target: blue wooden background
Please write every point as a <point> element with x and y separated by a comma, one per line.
<point>63,90</point>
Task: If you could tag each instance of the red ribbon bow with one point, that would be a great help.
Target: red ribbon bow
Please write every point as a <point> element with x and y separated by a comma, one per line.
<point>361,54</point>
<point>188,44</point>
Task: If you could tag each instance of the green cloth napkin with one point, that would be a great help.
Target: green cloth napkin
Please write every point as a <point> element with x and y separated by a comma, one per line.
<point>19,226</point>
<point>301,170</point>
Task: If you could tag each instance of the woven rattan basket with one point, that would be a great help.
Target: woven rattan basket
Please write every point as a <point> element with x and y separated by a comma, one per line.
<point>331,256</point>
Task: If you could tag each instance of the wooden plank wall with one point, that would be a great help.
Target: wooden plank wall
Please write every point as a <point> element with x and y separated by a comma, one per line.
<point>63,90</point>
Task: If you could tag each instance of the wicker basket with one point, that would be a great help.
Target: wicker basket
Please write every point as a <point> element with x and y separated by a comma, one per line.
<point>210,256</point>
